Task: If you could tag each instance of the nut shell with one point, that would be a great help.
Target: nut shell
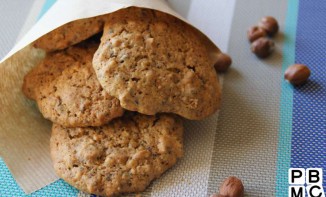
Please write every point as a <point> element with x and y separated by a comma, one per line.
<point>231,187</point>
<point>270,24</point>
<point>297,74</point>
<point>223,62</point>
<point>262,47</point>
<point>255,32</point>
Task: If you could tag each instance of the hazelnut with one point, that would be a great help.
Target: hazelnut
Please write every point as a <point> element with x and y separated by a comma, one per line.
<point>223,62</point>
<point>262,47</point>
<point>297,74</point>
<point>232,187</point>
<point>270,24</point>
<point>255,32</point>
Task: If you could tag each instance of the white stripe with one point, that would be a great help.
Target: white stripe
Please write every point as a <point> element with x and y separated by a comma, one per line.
<point>31,18</point>
<point>214,18</point>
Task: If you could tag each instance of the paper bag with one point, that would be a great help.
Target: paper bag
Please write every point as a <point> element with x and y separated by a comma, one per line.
<point>24,133</point>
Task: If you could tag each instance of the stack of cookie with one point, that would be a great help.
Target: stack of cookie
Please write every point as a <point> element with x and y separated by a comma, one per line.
<point>117,103</point>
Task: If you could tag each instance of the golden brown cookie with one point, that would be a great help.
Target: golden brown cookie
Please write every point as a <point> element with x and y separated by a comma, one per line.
<point>121,157</point>
<point>74,97</point>
<point>54,63</point>
<point>45,72</point>
<point>153,62</point>
<point>70,34</point>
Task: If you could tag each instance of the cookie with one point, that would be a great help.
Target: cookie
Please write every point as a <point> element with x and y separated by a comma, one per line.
<point>70,34</point>
<point>54,63</point>
<point>75,98</point>
<point>153,62</point>
<point>45,72</point>
<point>121,157</point>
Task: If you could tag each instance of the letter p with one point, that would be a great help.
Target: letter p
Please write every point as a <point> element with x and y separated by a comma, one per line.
<point>297,176</point>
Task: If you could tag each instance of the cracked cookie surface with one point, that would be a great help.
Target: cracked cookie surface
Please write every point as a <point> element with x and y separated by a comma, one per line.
<point>70,34</point>
<point>45,72</point>
<point>74,97</point>
<point>52,66</point>
<point>153,62</point>
<point>121,157</point>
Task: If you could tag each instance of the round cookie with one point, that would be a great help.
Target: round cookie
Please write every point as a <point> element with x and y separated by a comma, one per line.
<point>53,65</point>
<point>70,34</point>
<point>153,62</point>
<point>121,157</point>
<point>75,98</point>
<point>45,72</point>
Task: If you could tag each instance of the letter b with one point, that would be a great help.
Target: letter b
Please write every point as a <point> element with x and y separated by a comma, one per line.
<point>314,176</point>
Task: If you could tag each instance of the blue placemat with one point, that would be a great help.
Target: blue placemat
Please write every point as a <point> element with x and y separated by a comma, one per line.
<point>309,101</point>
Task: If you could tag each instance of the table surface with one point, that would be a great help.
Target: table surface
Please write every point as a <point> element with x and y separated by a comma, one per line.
<point>265,125</point>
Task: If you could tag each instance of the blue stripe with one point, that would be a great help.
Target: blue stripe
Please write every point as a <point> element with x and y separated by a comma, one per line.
<point>284,141</point>
<point>309,100</point>
<point>47,5</point>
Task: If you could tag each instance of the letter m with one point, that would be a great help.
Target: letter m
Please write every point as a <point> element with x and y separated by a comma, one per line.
<point>296,191</point>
